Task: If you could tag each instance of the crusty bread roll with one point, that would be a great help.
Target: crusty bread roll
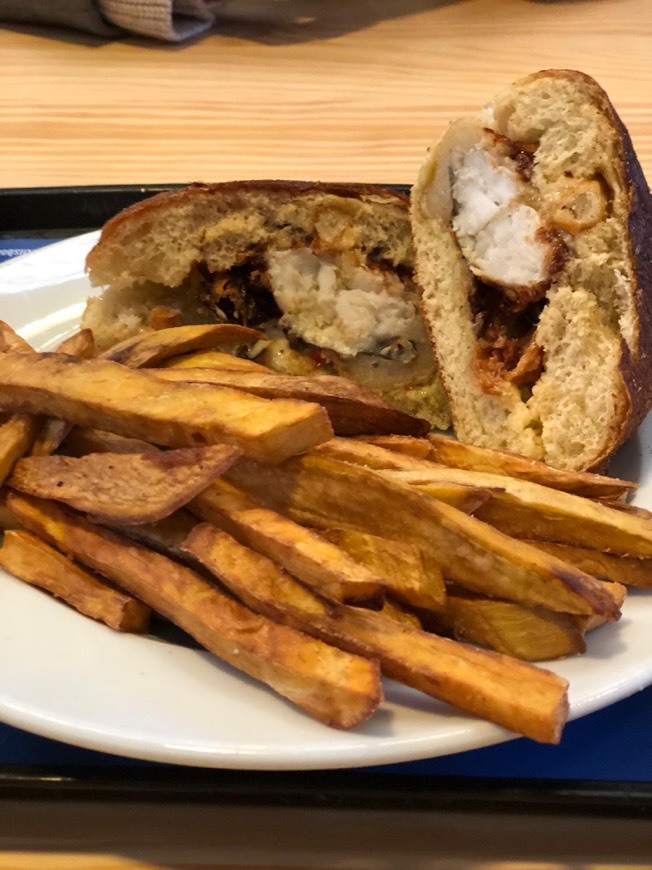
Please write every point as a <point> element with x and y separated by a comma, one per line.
<point>325,271</point>
<point>533,236</point>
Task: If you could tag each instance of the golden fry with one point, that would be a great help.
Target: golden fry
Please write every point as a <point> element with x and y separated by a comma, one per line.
<point>7,519</point>
<point>363,452</point>
<point>628,508</point>
<point>447,451</point>
<point>152,348</point>
<point>53,431</point>
<point>81,344</point>
<point>339,689</point>
<point>418,448</point>
<point>311,558</point>
<point>51,435</point>
<point>165,536</point>
<point>81,440</point>
<point>400,613</point>
<point>17,434</point>
<point>618,592</point>
<point>327,494</point>
<point>128,402</point>
<point>331,494</point>
<point>533,634</point>
<point>214,359</point>
<point>17,431</point>
<point>10,340</point>
<point>525,509</point>
<point>38,437</point>
<point>400,564</point>
<point>352,409</point>
<point>519,696</point>
<point>451,452</point>
<point>620,569</point>
<point>38,564</point>
<point>129,488</point>
<point>464,497</point>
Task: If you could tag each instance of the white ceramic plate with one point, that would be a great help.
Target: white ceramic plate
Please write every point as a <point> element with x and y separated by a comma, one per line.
<point>74,680</point>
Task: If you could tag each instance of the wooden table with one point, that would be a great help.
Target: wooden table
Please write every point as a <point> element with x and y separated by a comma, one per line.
<point>299,89</point>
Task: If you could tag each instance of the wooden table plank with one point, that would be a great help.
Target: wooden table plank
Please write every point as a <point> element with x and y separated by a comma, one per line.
<point>299,89</point>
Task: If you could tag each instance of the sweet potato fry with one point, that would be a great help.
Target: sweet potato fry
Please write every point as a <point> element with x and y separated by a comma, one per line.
<point>526,509</point>
<point>464,497</point>
<point>50,436</point>
<point>53,431</point>
<point>353,410</point>
<point>371,455</point>
<point>418,448</point>
<point>17,434</point>
<point>152,348</point>
<point>214,359</point>
<point>326,493</point>
<point>17,431</point>
<point>628,508</point>
<point>129,488</point>
<point>619,569</point>
<point>526,699</point>
<point>451,452</point>
<point>35,562</point>
<point>110,396</point>
<point>532,634</point>
<point>447,451</point>
<point>339,689</point>
<point>82,440</point>
<point>400,564</point>
<point>10,340</point>
<point>302,552</point>
<point>400,613</point>
<point>81,344</point>
<point>7,520</point>
<point>165,536</point>
<point>618,592</point>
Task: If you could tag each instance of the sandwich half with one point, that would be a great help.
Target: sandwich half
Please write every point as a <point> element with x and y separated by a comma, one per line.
<point>533,245</point>
<point>324,271</point>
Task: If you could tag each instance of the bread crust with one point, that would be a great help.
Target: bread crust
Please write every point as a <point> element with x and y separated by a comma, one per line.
<point>234,195</point>
<point>636,371</point>
<point>637,374</point>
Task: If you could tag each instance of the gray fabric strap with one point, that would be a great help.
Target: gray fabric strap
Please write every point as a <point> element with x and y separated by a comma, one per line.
<point>168,20</point>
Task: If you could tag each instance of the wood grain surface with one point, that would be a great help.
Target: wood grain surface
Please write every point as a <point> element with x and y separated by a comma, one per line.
<point>351,91</point>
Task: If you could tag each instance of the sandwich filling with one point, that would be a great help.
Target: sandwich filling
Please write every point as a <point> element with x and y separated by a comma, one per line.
<point>338,302</point>
<point>512,248</point>
<point>502,237</point>
<point>331,312</point>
